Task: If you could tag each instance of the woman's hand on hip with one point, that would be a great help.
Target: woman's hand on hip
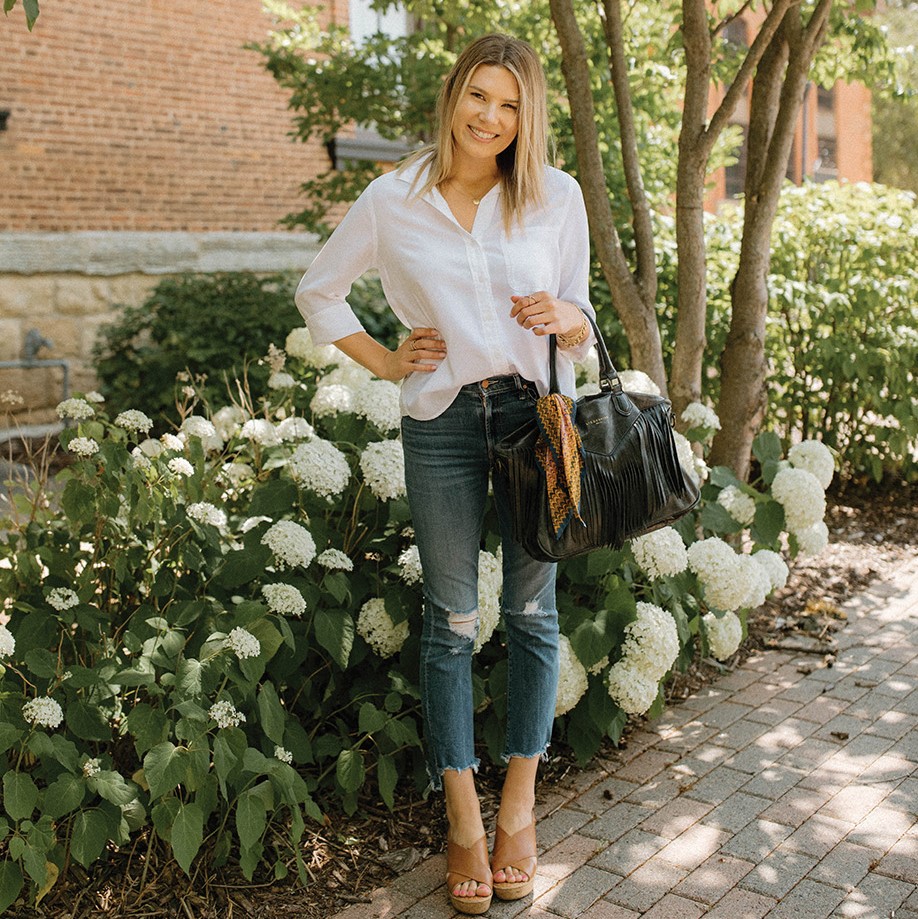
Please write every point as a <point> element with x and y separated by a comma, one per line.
<point>544,314</point>
<point>420,352</point>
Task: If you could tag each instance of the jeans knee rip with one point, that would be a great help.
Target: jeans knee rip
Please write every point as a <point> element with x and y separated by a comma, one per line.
<point>463,624</point>
<point>532,608</point>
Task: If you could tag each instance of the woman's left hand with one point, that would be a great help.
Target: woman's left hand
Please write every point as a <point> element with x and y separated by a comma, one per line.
<point>544,314</point>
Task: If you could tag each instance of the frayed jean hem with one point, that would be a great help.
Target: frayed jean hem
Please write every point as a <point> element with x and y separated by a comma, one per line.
<point>542,754</point>
<point>436,776</point>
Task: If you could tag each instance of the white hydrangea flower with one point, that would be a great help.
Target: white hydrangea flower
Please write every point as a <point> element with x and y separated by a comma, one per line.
<point>284,599</point>
<point>234,474</point>
<point>205,512</point>
<point>171,442</point>
<point>599,666</point>
<point>228,421</point>
<point>139,460</point>
<point>693,466</point>
<point>285,756</point>
<point>376,628</point>
<point>661,553</point>
<point>813,540</point>
<point>261,431</point>
<point>383,467</point>
<point>638,381</point>
<point>291,544</point>
<point>62,598</point>
<point>410,563</point>
<point>699,415</point>
<point>321,467</point>
<point>243,643</point>
<point>225,714</point>
<point>281,380</point>
<point>378,402</point>
<point>739,505</point>
<point>717,568</point>
<point>295,429</point>
<point>94,396</point>
<point>335,559</point>
<point>43,712</point>
<point>775,567</point>
<point>75,409</point>
<point>816,458</point>
<point>204,430</point>
<point>756,579</point>
<point>490,584</point>
<point>179,466</point>
<point>299,344</point>
<point>724,634</point>
<point>572,677</point>
<point>651,640</point>
<point>7,643</point>
<point>331,400</point>
<point>632,688</point>
<point>801,496</point>
<point>134,420</point>
<point>348,373</point>
<point>150,447</point>
<point>91,768</point>
<point>83,446</point>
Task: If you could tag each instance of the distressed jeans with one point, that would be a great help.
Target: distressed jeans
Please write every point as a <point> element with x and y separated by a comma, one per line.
<point>447,468</point>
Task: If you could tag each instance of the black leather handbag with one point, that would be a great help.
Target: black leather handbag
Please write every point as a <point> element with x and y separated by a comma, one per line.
<point>631,480</point>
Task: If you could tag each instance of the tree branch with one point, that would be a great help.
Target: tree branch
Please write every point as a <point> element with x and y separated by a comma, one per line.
<point>640,208</point>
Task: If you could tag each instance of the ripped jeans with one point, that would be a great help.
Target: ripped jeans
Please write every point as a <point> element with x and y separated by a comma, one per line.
<point>447,466</point>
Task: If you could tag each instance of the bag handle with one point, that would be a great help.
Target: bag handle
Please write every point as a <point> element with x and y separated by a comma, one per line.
<point>609,380</point>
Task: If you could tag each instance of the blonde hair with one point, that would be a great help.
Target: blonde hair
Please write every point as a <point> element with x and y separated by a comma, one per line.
<point>522,164</point>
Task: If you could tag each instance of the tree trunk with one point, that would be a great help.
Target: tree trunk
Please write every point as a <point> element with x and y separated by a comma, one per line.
<point>638,315</point>
<point>776,102</point>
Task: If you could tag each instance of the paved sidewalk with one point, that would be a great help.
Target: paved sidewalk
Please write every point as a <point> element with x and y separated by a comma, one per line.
<point>774,792</point>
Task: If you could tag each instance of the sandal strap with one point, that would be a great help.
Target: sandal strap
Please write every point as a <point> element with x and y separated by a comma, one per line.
<point>470,864</point>
<point>516,850</point>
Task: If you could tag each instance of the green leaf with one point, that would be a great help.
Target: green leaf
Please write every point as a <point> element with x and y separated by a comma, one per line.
<point>768,523</point>
<point>229,746</point>
<point>593,640</point>
<point>242,566</point>
<point>251,818</point>
<point>148,726</point>
<point>188,678</point>
<point>10,884</point>
<point>31,11</point>
<point>41,662</point>
<point>335,633</point>
<point>9,734</point>
<point>163,815</point>
<point>164,768</point>
<point>187,834</point>
<point>767,446</point>
<point>87,721</point>
<point>88,836</point>
<point>716,519</point>
<point>78,502</point>
<point>349,770</point>
<point>273,498</point>
<point>723,476</point>
<point>35,865</point>
<point>113,787</point>
<point>20,795</point>
<point>386,778</point>
<point>371,719</point>
<point>271,714</point>
<point>63,795</point>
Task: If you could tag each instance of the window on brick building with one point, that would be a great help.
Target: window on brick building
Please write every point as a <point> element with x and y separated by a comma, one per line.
<point>365,143</point>
<point>825,166</point>
<point>737,34</point>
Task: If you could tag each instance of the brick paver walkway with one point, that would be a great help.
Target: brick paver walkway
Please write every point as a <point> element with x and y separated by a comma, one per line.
<point>774,792</point>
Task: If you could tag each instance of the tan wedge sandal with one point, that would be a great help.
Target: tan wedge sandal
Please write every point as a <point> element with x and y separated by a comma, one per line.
<point>468,865</point>
<point>516,851</point>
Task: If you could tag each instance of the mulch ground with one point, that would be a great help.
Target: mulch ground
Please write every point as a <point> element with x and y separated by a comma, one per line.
<point>872,532</point>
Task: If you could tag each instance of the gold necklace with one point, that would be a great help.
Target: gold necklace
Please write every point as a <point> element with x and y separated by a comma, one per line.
<point>472,198</point>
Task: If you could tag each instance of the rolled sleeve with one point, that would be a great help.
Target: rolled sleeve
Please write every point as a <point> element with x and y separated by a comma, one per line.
<point>575,267</point>
<point>321,295</point>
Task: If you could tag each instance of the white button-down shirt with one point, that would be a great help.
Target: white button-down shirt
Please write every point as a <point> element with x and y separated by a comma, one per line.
<point>436,274</point>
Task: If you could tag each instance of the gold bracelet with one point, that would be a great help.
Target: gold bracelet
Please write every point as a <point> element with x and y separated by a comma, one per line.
<point>571,342</point>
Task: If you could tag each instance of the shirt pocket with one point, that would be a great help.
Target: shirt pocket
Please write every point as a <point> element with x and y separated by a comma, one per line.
<point>532,261</point>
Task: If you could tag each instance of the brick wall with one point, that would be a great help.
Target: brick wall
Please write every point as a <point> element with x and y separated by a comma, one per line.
<point>146,115</point>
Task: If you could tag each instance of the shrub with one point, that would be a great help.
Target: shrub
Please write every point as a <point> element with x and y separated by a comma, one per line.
<point>214,635</point>
<point>209,329</point>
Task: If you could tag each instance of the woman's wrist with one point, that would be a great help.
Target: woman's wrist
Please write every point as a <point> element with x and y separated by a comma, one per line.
<point>571,340</point>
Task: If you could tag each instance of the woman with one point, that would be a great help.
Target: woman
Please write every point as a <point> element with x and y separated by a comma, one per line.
<point>483,251</point>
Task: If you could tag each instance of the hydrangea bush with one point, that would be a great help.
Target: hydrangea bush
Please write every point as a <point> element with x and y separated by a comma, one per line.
<point>212,635</point>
